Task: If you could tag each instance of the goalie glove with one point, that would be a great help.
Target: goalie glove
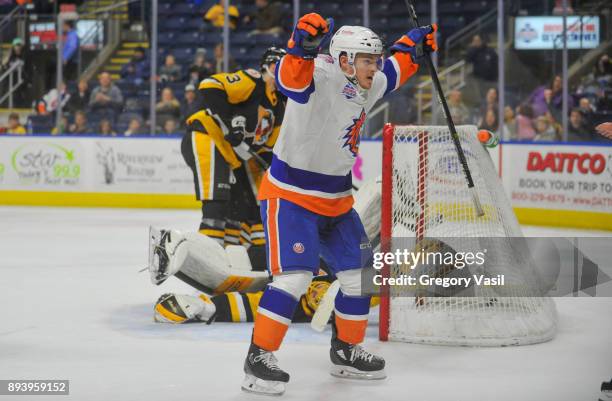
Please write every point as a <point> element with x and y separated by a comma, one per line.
<point>417,42</point>
<point>237,131</point>
<point>310,35</point>
<point>176,308</point>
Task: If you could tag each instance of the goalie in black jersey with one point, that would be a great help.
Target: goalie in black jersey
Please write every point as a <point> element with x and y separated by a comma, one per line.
<point>235,307</point>
<point>239,115</point>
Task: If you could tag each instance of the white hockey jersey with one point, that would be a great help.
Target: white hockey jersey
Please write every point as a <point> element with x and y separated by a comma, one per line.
<point>320,134</point>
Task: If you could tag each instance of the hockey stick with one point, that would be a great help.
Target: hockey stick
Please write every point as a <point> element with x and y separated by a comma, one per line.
<point>449,119</point>
<point>325,308</point>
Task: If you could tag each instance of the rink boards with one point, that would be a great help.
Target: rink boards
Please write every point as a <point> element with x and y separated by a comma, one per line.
<point>555,184</point>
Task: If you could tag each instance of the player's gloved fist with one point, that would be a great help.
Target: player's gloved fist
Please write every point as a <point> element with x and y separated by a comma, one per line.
<point>310,35</point>
<point>236,134</point>
<point>418,41</point>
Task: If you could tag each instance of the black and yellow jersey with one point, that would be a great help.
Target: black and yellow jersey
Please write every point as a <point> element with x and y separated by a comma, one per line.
<point>223,96</point>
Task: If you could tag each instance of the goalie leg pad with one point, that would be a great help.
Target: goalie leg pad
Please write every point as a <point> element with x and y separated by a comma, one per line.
<point>207,263</point>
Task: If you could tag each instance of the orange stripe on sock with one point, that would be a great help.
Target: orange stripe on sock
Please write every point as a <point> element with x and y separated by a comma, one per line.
<point>268,333</point>
<point>351,331</point>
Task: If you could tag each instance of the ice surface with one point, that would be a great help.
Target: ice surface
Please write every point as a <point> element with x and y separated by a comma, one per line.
<point>75,307</point>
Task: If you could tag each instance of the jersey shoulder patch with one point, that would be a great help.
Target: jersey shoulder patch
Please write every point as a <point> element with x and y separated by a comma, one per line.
<point>326,58</point>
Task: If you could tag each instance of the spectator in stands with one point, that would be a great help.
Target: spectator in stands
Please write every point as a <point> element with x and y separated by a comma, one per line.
<point>216,15</point>
<point>62,128</point>
<point>107,96</point>
<point>219,60</point>
<point>558,8</point>
<point>268,18</point>
<point>200,68</point>
<point>490,101</point>
<point>490,122</point>
<point>14,126</point>
<point>484,62</point>
<point>168,107</point>
<point>510,124</point>
<point>70,54</point>
<point>80,125</point>
<point>524,123</point>
<point>137,70</point>
<point>545,130</point>
<point>603,67</point>
<point>134,128</point>
<point>170,127</point>
<point>549,99</point>
<point>189,106</point>
<point>105,128</point>
<point>170,71</point>
<point>459,111</point>
<point>587,110</point>
<point>18,54</point>
<point>577,129</point>
<point>79,99</point>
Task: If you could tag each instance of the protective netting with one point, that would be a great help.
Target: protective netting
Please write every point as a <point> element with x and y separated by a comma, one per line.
<point>432,207</point>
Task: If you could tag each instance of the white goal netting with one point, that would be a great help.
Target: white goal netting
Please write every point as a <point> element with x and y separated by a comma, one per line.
<point>431,208</point>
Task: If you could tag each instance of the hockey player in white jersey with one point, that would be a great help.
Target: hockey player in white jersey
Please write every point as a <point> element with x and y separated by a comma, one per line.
<point>306,196</point>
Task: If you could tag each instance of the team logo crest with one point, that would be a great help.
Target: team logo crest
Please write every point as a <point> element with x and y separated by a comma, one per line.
<point>298,247</point>
<point>349,91</point>
<point>353,134</point>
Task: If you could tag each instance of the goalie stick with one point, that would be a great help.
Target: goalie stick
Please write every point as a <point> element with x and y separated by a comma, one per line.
<point>447,114</point>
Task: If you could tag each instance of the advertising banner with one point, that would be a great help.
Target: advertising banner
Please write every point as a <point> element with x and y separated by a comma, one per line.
<point>558,177</point>
<point>544,33</point>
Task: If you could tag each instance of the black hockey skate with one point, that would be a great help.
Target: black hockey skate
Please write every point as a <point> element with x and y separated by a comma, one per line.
<point>162,248</point>
<point>158,256</point>
<point>262,374</point>
<point>353,362</point>
<point>606,391</point>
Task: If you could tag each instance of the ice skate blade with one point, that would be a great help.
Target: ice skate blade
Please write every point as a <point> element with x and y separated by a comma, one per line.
<point>251,384</point>
<point>347,372</point>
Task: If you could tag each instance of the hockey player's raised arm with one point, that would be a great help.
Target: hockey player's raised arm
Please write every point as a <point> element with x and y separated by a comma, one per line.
<point>404,60</point>
<point>295,71</point>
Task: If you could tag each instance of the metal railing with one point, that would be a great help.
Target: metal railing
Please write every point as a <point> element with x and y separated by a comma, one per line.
<point>371,125</point>
<point>14,76</point>
<point>451,78</point>
<point>9,18</point>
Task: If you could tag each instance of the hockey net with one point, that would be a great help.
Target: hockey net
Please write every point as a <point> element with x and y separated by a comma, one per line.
<point>425,197</point>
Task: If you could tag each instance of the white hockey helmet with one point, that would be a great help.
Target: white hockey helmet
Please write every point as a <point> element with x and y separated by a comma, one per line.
<point>352,40</point>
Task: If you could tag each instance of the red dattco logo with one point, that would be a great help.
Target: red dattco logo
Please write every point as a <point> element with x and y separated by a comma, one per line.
<point>583,163</point>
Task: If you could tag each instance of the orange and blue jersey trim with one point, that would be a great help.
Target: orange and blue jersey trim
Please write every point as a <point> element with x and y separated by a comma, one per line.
<point>294,77</point>
<point>324,194</point>
<point>398,68</point>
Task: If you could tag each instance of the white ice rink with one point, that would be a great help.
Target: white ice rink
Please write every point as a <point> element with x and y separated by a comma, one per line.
<point>75,307</point>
